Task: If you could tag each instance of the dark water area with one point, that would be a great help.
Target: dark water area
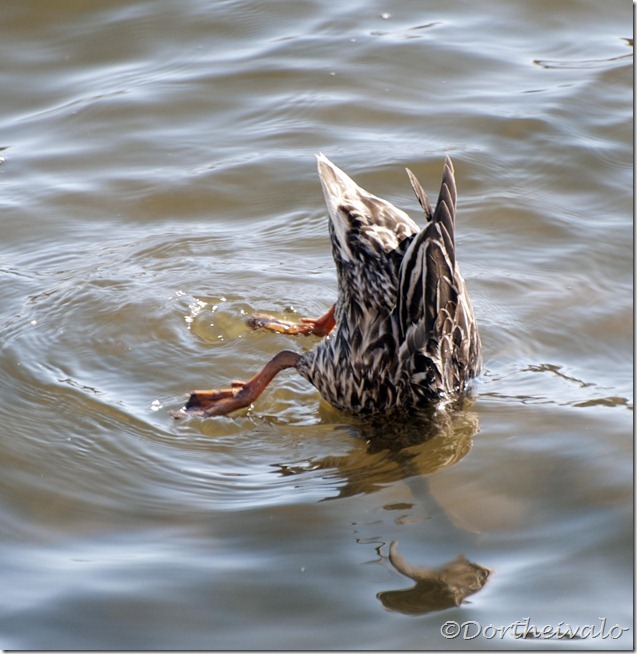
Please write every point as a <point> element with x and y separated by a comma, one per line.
<point>158,184</point>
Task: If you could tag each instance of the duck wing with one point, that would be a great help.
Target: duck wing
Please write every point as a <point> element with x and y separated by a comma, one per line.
<point>369,236</point>
<point>440,346</point>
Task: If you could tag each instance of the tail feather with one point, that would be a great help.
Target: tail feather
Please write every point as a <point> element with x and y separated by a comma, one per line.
<point>445,213</point>
<point>429,280</point>
<point>420,194</point>
<point>434,314</point>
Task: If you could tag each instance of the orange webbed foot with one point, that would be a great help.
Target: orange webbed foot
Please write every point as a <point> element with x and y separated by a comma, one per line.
<point>240,394</point>
<point>218,402</point>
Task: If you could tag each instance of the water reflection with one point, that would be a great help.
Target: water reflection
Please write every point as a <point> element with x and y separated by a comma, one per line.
<point>454,422</point>
<point>387,451</point>
<point>395,450</point>
<point>435,589</point>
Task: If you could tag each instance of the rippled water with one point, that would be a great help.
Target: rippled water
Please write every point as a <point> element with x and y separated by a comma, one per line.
<point>158,184</point>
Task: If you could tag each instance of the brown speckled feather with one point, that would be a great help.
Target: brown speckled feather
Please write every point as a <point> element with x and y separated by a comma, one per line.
<point>405,331</point>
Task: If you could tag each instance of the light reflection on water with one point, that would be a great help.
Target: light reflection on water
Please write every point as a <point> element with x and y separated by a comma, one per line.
<point>158,185</point>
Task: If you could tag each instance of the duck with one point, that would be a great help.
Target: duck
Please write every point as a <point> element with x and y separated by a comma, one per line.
<point>402,334</point>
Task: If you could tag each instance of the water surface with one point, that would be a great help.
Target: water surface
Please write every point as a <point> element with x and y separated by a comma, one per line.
<point>158,184</point>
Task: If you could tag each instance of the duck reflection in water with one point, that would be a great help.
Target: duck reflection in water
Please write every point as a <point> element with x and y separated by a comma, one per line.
<point>385,451</point>
<point>436,589</point>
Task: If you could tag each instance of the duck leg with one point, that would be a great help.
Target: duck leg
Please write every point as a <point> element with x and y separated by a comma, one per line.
<point>316,326</point>
<point>241,394</point>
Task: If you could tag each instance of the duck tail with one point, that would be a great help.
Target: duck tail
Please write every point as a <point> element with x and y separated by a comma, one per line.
<point>434,312</point>
<point>428,273</point>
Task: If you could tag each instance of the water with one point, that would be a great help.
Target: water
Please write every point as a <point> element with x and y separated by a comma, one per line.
<point>158,183</point>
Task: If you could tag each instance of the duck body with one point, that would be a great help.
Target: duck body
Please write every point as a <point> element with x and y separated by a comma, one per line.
<point>405,333</point>
<point>402,333</point>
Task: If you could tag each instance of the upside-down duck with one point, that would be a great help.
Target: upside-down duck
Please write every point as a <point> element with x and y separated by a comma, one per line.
<point>402,334</point>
